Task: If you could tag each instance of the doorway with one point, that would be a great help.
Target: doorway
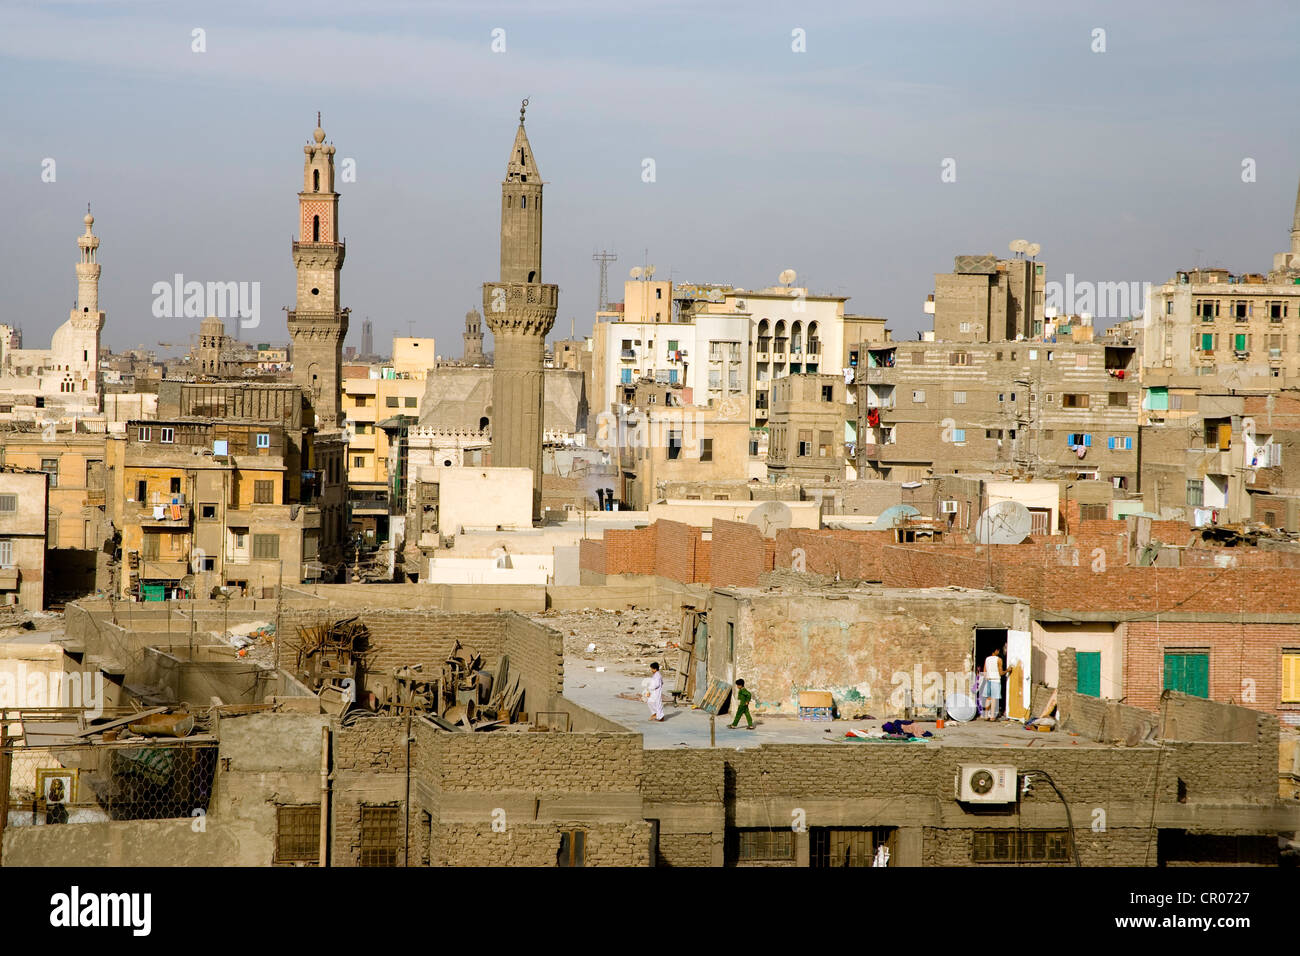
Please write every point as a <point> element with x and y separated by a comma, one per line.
<point>987,640</point>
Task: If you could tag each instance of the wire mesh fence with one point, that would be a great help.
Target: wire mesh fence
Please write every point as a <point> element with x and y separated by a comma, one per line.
<point>128,780</point>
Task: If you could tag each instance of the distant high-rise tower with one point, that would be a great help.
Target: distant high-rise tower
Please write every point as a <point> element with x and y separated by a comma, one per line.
<point>474,339</point>
<point>317,325</point>
<point>520,311</point>
<point>367,338</point>
<point>1289,261</point>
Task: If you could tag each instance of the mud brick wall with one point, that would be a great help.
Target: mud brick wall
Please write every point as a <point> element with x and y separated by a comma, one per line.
<point>606,844</point>
<point>687,849</point>
<point>369,765</point>
<point>537,653</point>
<point>539,763</point>
<point>1126,846</point>
<point>685,790</point>
<point>399,638</point>
<point>683,776</point>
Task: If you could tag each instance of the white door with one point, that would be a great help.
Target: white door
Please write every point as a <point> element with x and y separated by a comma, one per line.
<point>1019,649</point>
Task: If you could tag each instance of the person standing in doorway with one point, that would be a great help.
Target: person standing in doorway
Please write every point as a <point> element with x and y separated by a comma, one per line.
<point>656,698</point>
<point>993,672</point>
<point>743,697</point>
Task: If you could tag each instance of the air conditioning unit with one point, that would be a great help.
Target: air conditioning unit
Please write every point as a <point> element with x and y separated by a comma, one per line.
<point>978,784</point>
<point>948,507</point>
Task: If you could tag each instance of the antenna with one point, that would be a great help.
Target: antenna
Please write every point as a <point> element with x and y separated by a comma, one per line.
<point>603,258</point>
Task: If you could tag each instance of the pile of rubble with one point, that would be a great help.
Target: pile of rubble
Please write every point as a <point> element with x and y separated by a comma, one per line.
<point>632,636</point>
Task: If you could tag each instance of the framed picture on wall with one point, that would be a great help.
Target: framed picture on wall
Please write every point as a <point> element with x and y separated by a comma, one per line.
<point>57,786</point>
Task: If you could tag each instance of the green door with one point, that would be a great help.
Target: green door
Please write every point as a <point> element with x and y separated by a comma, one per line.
<point>1188,672</point>
<point>1088,673</point>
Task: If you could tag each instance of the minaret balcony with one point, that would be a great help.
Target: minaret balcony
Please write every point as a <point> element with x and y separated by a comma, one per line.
<point>318,246</point>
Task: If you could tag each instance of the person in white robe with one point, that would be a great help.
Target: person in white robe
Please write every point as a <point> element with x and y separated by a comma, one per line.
<point>656,699</point>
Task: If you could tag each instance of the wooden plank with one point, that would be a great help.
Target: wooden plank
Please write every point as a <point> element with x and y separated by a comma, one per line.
<point>122,721</point>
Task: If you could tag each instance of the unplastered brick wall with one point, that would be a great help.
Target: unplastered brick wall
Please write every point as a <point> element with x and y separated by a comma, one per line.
<point>683,776</point>
<point>538,763</point>
<point>669,549</point>
<point>850,555</point>
<point>739,554</point>
<point>1115,846</point>
<point>591,555</point>
<point>369,769</point>
<point>537,654</point>
<point>404,637</point>
<point>604,844</point>
<point>1245,658</point>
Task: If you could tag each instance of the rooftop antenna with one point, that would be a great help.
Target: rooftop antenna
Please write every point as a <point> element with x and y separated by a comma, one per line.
<point>603,259</point>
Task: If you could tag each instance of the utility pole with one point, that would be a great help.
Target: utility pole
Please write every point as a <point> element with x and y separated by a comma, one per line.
<point>604,258</point>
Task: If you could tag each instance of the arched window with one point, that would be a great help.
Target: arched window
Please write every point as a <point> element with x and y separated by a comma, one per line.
<point>483,424</point>
<point>315,228</point>
<point>510,202</point>
<point>315,180</point>
<point>523,202</point>
<point>532,276</point>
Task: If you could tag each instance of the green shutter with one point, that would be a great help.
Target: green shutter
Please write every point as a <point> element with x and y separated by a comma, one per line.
<point>1088,674</point>
<point>1207,341</point>
<point>1188,673</point>
<point>1239,341</point>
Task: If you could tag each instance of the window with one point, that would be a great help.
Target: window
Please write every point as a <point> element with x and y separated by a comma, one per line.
<point>674,445</point>
<point>1291,676</point>
<point>358,461</point>
<point>264,492</point>
<point>1020,846</point>
<point>379,836</point>
<point>765,845</point>
<point>266,547</point>
<point>51,467</point>
<point>167,435</point>
<point>1239,311</point>
<point>1188,672</point>
<point>263,439</point>
<point>1093,512</point>
<point>706,449</point>
<point>207,511</point>
<point>8,504</point>
<point>805,442</point>
<point>1081,360</point>
<point>1195,492</point>
<point>144,434</point>
<point>1117,400</point>
<point>959,398</point>
<point>410,401</point>
<point>958,435</point>
<point>1074,400</point>
<point>918,396</point>
<point>959,358</point>
<point>362,401</point>
<point>174,486</point>
<point>828,393</point>
<point>1119,443</point>
<point>753,448</point>
<point>141,490</point>
<point>573,847</point>
<point>918,358</point>
<point>1075,439</point>
<point>6,554</point>
<point>391,401</point>
<point>825,444</point>
<point>845,846</point>
<point>149,547</point>
<point>1207,341</point>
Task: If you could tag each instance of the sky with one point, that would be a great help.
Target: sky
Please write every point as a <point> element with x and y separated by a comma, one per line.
<point>1168,140</point>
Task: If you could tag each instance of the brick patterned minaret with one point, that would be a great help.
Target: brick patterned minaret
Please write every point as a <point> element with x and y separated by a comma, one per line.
<point>520,311</point>
<point>317,325</point>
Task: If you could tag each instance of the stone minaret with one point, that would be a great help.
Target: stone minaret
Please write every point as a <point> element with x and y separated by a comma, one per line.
<point>474,339</point>
<point>78,347</point>
<point>1289,262</point>
<point>520,311</point>
<point>317,325</point>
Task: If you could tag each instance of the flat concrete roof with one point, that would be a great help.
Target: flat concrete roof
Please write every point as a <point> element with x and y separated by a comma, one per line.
<point>684,726</point>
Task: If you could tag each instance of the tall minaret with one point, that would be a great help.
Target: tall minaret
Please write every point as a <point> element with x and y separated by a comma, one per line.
<point>474,339</point>
<point>317,325</point>
<point>76,344</point>
<point>520,311</point>
<point>1289,262</point>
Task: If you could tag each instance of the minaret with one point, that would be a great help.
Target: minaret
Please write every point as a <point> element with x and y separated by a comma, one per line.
<point>317,325</point>
<point>1288,263</point>
<point>520,311</point>
<point>474,339</point>
<point>77,343</point>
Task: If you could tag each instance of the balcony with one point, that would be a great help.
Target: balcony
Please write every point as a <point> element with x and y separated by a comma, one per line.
<point>627,355</point>
<point>164,511</point>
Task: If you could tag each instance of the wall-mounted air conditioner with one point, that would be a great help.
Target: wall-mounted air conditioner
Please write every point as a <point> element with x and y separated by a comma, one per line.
<point>978,784</point>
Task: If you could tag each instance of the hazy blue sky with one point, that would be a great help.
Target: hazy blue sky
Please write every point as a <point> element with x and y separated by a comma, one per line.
<point>1124,165</point>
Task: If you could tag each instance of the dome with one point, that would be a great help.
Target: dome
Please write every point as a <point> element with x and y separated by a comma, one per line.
<point>319,135</point>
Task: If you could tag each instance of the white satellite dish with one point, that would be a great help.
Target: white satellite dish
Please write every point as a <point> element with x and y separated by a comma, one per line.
<point>649,271</point>
<point>770,517</point>
<point>1007,522</point>
<point>960,707</point>
<point>787,276</point>
<point>634,272</point>
<point>1018,245</point>
<point>1033,249</point>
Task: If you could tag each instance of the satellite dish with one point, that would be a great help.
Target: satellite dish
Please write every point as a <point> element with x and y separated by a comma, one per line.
<point>634,272</point>
<point>1007,522</point>
<point>1034,249</point>
<point>893,516</point>
<point>788,276</point>
<point>770,517</point>
<point>1019,245</point>
<point>649,271</point>
<point>960,707</point>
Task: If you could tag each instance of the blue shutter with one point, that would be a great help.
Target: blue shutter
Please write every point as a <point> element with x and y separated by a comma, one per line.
<point>1087,441</point>
<point>1110,443</point>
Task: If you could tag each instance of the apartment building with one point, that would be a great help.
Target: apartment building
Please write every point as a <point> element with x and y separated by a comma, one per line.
<point>22,537</point>
<point>987,299</point>
<point>806,432</point>
<point>659,444</point>
<point>1054,409</point>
